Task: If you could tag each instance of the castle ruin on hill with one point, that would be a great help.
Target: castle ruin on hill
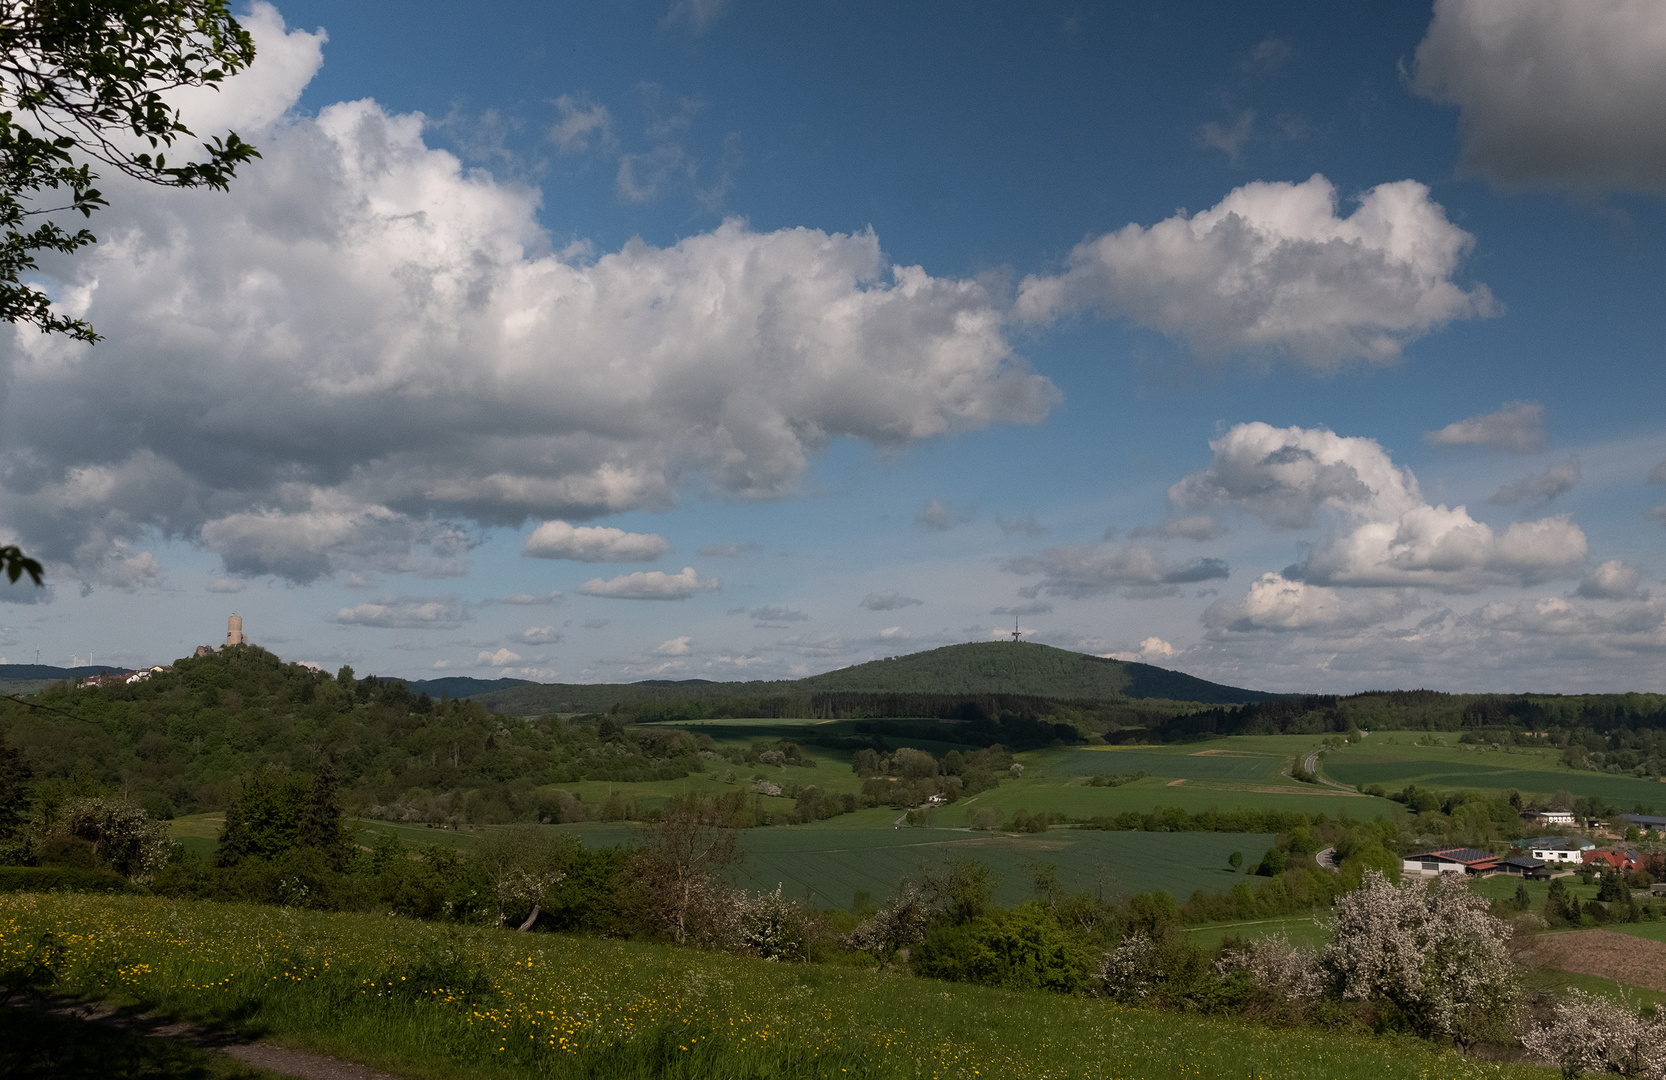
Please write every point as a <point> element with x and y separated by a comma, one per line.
<point>234,636</point>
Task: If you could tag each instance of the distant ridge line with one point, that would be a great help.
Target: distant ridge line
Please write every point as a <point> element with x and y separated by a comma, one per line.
<point>1003,667</point>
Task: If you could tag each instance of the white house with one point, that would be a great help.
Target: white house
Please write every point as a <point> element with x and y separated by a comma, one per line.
<point>1549,817</point>
<point>1564,849</point>
<point>1449,861</point>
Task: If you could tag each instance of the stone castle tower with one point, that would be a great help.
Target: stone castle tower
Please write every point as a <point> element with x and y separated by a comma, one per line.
<point>234,631</point>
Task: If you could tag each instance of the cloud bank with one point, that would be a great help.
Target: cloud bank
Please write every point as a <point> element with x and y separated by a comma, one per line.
<point>364,353</point>
<point>1078,572</point>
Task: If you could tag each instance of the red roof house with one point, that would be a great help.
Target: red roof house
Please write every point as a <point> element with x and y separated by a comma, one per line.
<point>1620,860</point>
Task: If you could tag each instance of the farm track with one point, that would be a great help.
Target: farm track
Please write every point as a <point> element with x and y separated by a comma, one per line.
<point>262,1055</point>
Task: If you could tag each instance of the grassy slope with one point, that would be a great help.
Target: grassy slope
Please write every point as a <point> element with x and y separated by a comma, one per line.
<point>988,667</point>
<point>559,1007</point>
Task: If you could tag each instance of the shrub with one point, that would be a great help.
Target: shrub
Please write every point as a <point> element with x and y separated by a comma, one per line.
<point>1024,949</point>
<point>1275,964</point>
<point>61,879</point>
<point>1432,952</point>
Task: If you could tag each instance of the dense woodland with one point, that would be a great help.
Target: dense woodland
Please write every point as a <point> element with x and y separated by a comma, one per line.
<point>185,741</point>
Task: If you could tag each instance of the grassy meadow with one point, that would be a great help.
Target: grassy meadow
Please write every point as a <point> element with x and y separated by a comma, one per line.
<point>1393,759</point>
<point>431,1001</point>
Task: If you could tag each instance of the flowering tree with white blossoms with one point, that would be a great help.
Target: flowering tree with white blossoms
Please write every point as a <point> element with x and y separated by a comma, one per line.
<point>898,927</point>
<point>1274,962</point>
<point>1430,950</point>
<point>121,834</point>
<point>1587,1033</point>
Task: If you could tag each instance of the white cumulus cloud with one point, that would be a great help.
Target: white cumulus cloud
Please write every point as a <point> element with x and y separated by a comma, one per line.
<point>364,353</point>
<point>1613,580</point>
<point>540,635</point>
<point>496,659</point>
<point>677,646</point>
<point>1273,268</point>
<point>589,543</point>
<point>1553,94</point>
<point>406,613</point>
<point>1518,427</point>
<point>1275,603</point>
<point>1154,647</point>
<point>1383,532</point>
<point>651,585</point>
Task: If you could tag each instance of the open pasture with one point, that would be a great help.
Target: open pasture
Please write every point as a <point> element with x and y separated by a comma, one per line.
<point>422,1000</point>
<point>1393,759</point>
<point>829,866</point>
<point>1077,798</point>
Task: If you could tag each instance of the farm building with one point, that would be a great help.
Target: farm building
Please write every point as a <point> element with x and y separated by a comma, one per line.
<point>1645,821</point>
<point>1450,861</point>
<point>1619,860</point>
<point>1525,866</point>
<point>1658,889</point>
<point>1565,849</point>
<point>1548,817</point>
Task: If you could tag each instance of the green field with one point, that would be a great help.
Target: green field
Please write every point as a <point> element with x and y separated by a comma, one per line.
<point>1393,760</point>
<point>422,1000</point>
<point>829,862</point>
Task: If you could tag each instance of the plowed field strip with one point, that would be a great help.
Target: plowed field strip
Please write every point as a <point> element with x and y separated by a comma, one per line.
<point>1603,953</point>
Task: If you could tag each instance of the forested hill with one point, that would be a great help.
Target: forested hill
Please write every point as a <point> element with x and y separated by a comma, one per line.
<point>989,667</point>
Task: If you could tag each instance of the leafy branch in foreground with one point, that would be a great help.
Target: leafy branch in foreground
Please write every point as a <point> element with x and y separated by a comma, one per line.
<point>88,79</point>
<point>16,564</point>
<point>85,82</point>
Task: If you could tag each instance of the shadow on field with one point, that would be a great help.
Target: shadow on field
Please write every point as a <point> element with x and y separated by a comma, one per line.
<point>40,1044</point>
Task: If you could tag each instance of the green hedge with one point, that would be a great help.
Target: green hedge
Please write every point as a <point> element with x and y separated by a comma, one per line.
<point>61,879</point>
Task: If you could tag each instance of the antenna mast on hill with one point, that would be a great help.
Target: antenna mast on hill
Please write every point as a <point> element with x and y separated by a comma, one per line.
<point>1016,633</point>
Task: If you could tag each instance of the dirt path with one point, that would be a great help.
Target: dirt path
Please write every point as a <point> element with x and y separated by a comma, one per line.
<point>261,1055</point>
<point>1602,953</point>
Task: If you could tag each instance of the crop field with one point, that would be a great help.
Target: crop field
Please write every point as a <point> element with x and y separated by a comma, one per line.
<point>1393,760</point>
<point>828,866</point>
<point>429,1001</point>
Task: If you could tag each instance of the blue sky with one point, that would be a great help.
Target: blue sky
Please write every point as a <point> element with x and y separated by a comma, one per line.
<point>1300,346</point>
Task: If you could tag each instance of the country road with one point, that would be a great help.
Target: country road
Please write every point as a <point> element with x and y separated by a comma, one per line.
<point>1312,767</point>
